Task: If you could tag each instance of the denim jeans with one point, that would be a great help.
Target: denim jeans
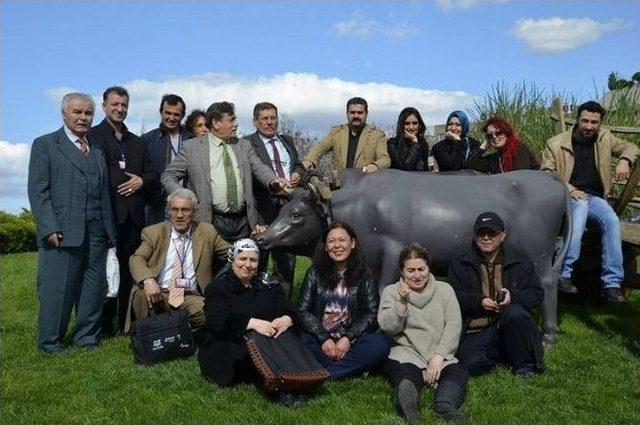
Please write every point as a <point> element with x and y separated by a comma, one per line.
<point>598,210</point>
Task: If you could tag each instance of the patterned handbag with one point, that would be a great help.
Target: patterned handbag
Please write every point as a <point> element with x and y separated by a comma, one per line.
<point>284,363</point>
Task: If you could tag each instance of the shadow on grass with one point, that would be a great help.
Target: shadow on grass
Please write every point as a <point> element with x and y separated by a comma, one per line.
<point>617,321</point>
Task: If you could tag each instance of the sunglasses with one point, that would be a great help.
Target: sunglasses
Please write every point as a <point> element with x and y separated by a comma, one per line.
<point>494,134</point>
<point>483,233</point>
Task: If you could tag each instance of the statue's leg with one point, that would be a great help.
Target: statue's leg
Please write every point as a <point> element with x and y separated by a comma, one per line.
<point>549,279</point>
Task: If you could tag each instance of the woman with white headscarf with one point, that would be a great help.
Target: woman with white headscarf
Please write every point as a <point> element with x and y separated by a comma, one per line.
<point>238,301</point>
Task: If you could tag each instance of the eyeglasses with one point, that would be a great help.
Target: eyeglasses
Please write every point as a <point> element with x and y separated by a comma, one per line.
<point>176,211</point>
<point>484,233</point>
<point>494,134</point>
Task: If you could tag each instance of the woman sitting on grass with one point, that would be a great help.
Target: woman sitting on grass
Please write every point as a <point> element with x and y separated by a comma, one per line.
<point>423,317</point>
<point>338,307</point>
<point>235,302</point>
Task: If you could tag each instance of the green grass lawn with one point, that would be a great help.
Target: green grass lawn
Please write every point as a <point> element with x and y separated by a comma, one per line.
<point>592,377</point>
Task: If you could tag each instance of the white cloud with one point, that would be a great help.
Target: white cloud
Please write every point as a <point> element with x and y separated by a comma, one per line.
<point>14,168</point>
<point>448,5</point>
<point>314,103</point>
<point>355,26</point>
<point>556,35</point>
<point>361,28</point>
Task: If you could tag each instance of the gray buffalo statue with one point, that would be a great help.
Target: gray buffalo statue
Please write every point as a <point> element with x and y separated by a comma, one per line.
<point>391,209</point>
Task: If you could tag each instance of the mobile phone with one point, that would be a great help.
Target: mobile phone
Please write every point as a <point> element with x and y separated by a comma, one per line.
<point>500,296</point>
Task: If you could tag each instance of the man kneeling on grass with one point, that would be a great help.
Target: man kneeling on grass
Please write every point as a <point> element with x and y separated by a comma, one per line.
<point>497,289</point>
<point>173,264</point>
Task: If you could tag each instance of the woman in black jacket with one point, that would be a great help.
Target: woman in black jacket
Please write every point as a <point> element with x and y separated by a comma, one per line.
<point>409,150</point>
<point>510,153</point>
<point>237,301</point>
<point>338,307</point>
<point>456,151</point>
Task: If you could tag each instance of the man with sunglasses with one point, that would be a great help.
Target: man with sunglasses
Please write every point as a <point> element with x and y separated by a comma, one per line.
<point>581,157</point>
<point>497,289</point>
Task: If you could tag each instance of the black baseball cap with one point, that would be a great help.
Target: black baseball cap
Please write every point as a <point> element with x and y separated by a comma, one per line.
<point>488,220</point>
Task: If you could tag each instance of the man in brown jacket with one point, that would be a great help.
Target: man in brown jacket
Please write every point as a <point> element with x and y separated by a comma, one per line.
<point>174,263</point>
<point>582,158</point>
<point>354,145</point>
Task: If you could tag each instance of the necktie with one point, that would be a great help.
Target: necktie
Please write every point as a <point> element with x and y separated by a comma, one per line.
<point>176,295</point>
<point>232,188</point>
<point>276,158</point>
<point>84,147</point>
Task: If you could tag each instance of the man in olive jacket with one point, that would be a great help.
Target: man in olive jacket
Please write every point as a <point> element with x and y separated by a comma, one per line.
<point>354,145</point>
<point>497,289</point>
<point>582,158</point>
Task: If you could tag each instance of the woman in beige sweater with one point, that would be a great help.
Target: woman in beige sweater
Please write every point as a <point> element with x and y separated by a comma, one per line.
<point>423,317</point>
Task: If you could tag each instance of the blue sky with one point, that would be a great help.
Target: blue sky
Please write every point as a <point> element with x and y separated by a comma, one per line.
<point>307,57</point>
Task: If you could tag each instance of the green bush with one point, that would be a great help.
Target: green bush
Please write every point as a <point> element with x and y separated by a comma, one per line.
<point>17,232</point>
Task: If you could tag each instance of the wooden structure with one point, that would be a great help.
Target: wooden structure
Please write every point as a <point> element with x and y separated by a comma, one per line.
<point>589,264</point>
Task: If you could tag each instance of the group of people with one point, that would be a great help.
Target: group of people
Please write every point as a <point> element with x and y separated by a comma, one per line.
<point>180,204</point>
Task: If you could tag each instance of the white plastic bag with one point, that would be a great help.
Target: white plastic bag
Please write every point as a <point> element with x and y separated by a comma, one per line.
<point>113,274</point>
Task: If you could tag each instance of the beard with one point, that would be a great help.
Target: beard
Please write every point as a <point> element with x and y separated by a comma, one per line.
<point>585,138</point>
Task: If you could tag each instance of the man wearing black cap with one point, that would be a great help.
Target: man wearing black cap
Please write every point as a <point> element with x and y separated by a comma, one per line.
<point>496,289</point>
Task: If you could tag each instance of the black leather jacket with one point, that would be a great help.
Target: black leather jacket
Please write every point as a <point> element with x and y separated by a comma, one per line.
<point>363,303</point>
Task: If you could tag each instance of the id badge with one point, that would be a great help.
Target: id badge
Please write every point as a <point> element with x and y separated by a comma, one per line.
<point>122,164</point>
<point>182,283</point>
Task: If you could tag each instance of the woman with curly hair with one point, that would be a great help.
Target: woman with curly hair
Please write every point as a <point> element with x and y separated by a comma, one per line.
<point>196,123</point>
<point>338,307</point>
<point>409,149</point>
<point>511,154</point>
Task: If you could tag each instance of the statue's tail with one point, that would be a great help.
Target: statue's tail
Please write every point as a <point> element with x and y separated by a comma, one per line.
<point>566,232</point>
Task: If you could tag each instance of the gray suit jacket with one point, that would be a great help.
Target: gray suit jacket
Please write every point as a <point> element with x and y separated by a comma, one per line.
<point>193,161</point>
<point>57,190</point>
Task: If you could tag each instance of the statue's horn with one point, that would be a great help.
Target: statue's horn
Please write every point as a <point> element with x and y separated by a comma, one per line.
<point>321,188</point>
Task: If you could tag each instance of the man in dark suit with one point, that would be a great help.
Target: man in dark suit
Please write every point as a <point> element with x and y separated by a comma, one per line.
<point>69,195</point>
<point>278,152</point>
<point>132,176</point>
<point>220,171</point>
<point>163,144</point>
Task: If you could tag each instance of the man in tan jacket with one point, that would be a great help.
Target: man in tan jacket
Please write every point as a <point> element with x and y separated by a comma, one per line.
<point>354,145</point>
<point>582,158</point>
<point>174,263</point>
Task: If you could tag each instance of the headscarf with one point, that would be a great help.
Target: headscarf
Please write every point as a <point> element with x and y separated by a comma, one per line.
<point>464,121</point>
<point>241,245</point>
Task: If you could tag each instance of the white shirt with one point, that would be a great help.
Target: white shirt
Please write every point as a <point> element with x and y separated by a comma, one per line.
<point>75,138</point>
<point>219,178</point>
<point>175,140</point>
<point>285,159</point>
<point>164,280</point>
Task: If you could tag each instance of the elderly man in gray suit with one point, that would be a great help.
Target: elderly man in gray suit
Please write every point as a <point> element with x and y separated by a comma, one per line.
<point>219,171</point>
<point>69,195</point>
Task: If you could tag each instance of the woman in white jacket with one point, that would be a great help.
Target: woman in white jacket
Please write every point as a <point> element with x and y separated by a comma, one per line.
<point>422,315</point>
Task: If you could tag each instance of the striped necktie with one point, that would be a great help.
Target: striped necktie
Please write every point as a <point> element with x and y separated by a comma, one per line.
<point>176,295</point>
<point>84,147</point>
<point>230,174</point>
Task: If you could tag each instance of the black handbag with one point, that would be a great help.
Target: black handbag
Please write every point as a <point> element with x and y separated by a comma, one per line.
<point>284,363</point>
<point>161,337</point>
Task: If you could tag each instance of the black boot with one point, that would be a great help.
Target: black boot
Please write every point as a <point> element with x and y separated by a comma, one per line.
<point>449,397</point>
<point>407,401</point>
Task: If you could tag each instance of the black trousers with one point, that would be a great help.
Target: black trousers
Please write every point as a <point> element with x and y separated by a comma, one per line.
<point>128,241</point>
<point>451,385</point>
<point>513,339</point>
